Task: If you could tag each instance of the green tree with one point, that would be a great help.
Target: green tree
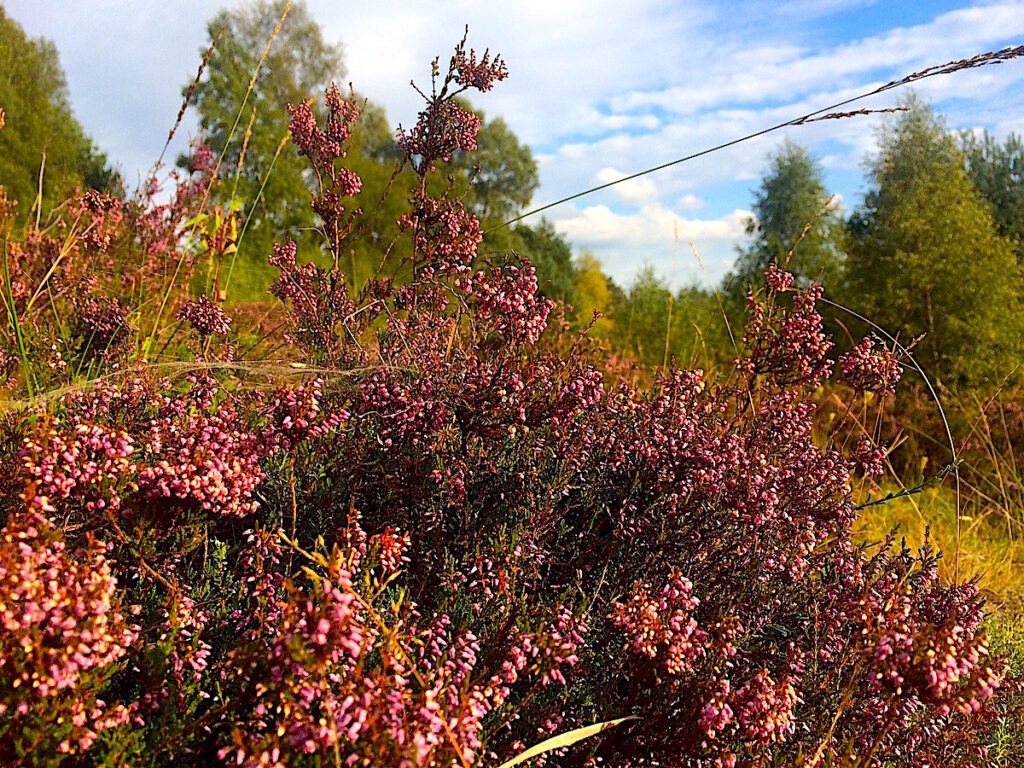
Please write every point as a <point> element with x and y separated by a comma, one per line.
<point>552,256</point>
<point>505,173</point>
<point>40,125</point>
<point>498,181</point>
<point>655,326</point>
<point>925,256</point>
<point>299,65</point>
<point>791,197</point>
<point>997,172</point>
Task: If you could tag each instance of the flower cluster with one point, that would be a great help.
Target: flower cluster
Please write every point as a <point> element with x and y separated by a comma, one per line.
<point>100,216</point>
<point>205,317</point>
<point>663,624</point>
<point>93,465</point>
<point>510,300</point>
<point>869,458</point>
<point>482,73</point>
<point>764,709</point>
<point>867,369</point>
<point>444,127</point>
<point>203,458</point>
<point>61,631</point>
<point>777,279</point>
<point>318,302</point>
<point>324,146</point>
<point>102,325</point>
<point>447,236</point>
<point>792,347</point>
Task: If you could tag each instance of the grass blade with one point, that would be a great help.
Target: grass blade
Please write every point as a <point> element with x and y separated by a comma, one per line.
<point>566,739</point>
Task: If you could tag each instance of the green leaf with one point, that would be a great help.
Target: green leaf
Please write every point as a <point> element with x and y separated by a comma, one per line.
<point>566,739</point>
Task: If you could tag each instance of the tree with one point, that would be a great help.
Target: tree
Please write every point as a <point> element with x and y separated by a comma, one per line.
<point>997,172</point>
<point>926,257</point>
<point>791,197</point>
<point>552,256</point>
<point>507,176</point>
<point>299,65</point>
<point>594,292</point>
<point>498,181</point>
<point>40,124</point>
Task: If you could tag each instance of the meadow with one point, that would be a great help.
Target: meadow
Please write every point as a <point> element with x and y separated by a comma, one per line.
<point>391,498</point>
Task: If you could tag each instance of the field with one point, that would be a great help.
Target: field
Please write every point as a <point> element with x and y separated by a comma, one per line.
<point>410,485</point>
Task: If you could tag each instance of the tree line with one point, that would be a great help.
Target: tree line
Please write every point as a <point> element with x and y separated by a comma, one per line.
<point>932,254</point>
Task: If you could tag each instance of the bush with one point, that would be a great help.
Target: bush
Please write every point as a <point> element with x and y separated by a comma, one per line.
<point>429,532</point>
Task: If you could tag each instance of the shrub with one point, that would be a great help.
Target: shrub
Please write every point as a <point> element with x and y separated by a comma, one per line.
<point>445,536</point>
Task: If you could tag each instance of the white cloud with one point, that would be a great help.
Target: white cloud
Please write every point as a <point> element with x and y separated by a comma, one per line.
<point>655,235</point>
<point>641,190</point>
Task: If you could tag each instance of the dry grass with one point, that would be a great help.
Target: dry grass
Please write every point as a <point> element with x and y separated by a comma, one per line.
<point>987,553</point>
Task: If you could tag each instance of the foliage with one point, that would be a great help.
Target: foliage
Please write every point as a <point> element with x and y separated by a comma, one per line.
<point>246,128</point>
<point>997,172</point>
<point>429,532</point>
<point>926,257</point>
<point>654,327</point>
<point>792,225</point>
<point>42,136</point>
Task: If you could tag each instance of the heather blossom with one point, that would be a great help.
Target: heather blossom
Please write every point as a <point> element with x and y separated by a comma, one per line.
<point>205,317</point>
<point>61,632</point>
<point>444,127</point>
<point>461,534</point>
<point>869,369</point>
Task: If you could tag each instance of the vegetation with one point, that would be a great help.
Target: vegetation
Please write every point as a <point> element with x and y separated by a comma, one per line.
<point>793,224</point>
<point>43,149</point>
<point>997,173</point>
<point>927,259</point>
<point>420,505</point>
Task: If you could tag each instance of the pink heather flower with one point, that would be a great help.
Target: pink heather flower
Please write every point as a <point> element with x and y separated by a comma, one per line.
<point>99,217</point>
<point>443,129</point>
<point>392,547</point>
<point>480,74</point>
<point>102,325</point>
<point>777,279</point>
<point>869,458</point>
<point>92,465</point>
<point>60,626</point>
<point>205,317</point>
<point>323,147</point>
<point>764,709</point>
<point>509,298</point>
<point>716,714</point>
<point>788,345</point>
<point>663,625</point>
<point>201,158</point>
<point>447,236</point>
<point>870,370</point>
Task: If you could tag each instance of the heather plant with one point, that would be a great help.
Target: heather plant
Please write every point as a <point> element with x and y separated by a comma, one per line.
<point>427,530</point>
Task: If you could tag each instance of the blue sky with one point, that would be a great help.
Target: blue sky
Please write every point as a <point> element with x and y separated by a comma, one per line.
<point>598,89</point>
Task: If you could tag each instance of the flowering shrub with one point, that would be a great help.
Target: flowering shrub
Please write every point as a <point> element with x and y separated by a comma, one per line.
<point>454,538</point>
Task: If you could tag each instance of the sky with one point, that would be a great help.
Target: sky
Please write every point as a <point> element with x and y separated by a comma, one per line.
<point>598,89</point>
